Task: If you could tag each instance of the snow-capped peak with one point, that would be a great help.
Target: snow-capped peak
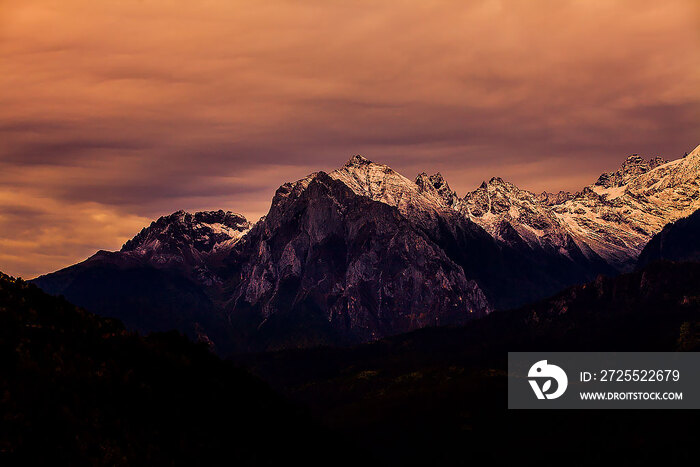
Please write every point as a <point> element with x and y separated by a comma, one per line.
<point>611,219</point>
<point>187,241</point>
<point>618,214</point>
<point>502,208</point>
<point>381,183</point>
<point>202,231</point>
<point>632,167</point>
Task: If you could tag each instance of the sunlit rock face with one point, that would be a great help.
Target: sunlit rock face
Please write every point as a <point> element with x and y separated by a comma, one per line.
<point>345,266</point>
<point>610,220</point>
<point>616,216</point>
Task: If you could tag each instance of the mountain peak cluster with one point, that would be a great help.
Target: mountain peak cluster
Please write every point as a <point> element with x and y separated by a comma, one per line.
<point>363,252</point>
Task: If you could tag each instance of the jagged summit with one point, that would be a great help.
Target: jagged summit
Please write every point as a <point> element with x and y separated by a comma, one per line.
<point>552,199</point>
<point>695,152</point>
<point>380,182</point>
<point>492,181</point>
<point>439,181</point>
<point>515,216</point>
<point>438,186</point>
<point>424,183</point>
<point>610,219</point>
<point>202,231</point>
<point>632,167</point>
<point>357,160</point>
<point>618,214</point>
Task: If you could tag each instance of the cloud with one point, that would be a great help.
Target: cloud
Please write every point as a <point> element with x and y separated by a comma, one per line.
<point>41,234</point>
<point>137,108</point>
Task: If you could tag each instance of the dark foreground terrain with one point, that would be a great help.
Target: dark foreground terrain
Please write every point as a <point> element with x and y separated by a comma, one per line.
<point>77,389</point>
<point>438,396</point>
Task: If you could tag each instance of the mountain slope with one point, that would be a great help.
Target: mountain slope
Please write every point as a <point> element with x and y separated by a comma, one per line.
<point>677,241</point>
<point>619,214</point>
<point>160,280</point>
<point>326,265</point>
<point>524,221</point>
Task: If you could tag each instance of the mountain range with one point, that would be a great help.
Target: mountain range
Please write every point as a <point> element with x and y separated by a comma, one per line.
<point>363,252</point>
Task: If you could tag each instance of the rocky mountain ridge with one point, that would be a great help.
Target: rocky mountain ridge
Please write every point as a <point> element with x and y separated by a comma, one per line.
<point>192,242</point>
<point>618,215</point>
<point>203,231</point>
<point>611,219</point>
<point>363,252</point>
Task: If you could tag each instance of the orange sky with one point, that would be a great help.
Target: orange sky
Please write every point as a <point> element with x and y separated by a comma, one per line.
<point>113,112</point>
